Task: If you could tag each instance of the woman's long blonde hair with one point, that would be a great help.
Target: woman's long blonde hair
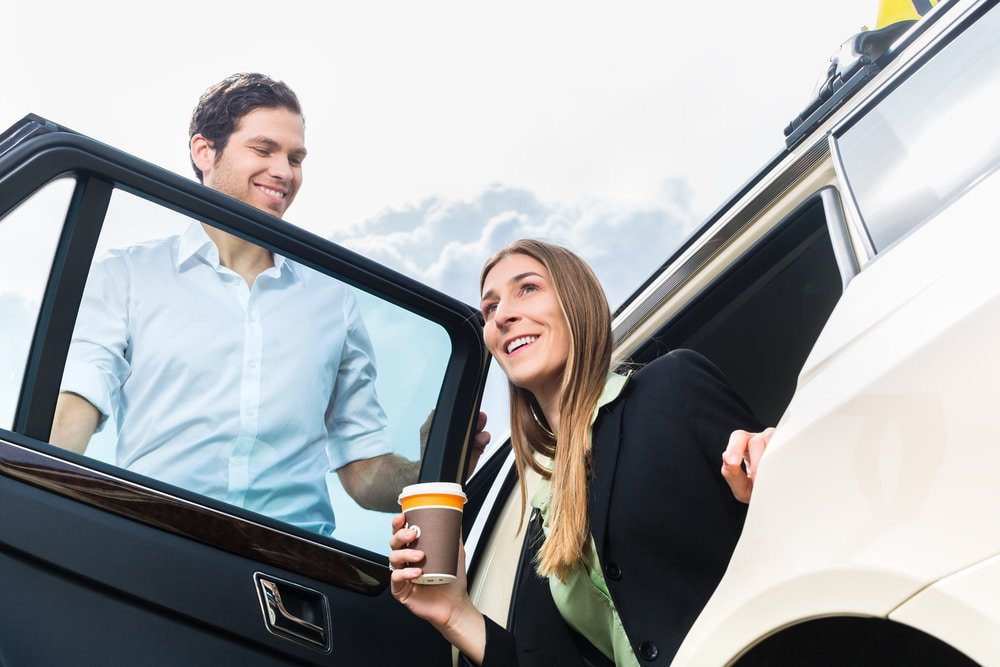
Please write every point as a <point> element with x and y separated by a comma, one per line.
<point>588,317</point>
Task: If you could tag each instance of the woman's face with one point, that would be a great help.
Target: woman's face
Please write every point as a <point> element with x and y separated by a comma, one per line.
<point>525,329</point>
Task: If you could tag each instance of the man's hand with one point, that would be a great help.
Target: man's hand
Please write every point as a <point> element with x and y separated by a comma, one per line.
<point>740,460</point>
<point>480,439</point>
<point>74,422</point>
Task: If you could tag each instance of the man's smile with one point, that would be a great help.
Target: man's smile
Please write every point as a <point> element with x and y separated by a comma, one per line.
<point>271,192</point>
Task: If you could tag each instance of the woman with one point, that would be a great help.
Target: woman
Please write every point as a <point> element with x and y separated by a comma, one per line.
<point>630,534</point>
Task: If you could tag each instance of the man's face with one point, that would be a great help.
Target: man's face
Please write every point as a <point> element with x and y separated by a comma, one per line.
<point>262,162</point>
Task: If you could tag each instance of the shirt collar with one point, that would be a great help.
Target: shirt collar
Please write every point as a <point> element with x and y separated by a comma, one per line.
<point>286,266</point>
<point>195,243</point>
<point>613,386</point>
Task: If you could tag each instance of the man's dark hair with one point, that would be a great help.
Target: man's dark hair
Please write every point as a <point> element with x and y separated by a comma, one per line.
<point>221,107</point>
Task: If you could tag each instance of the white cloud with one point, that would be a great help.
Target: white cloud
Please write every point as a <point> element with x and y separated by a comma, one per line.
<point>444,243</point>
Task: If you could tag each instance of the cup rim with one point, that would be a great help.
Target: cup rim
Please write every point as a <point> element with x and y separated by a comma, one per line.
<point>447,488</point>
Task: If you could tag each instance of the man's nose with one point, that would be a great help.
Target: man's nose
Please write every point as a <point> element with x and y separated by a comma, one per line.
<point>279,168</point>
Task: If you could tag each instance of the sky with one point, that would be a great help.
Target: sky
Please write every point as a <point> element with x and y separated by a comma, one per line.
<point>440,130</point>
<point>581,121</point>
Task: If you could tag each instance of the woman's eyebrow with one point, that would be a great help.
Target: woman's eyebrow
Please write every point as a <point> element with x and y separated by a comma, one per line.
<point>516,279</point>
<point>521,276</point>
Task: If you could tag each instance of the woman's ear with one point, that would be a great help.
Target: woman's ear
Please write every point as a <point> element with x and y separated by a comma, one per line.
<point>202,153</point>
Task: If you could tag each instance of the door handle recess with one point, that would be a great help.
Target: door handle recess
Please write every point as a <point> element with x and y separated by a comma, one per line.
<point>294,612</point>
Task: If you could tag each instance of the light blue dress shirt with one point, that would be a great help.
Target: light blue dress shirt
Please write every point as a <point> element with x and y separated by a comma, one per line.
<point>245,394</point>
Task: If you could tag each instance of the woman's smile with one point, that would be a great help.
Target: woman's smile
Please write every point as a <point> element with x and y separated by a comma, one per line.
<point>519,343</point>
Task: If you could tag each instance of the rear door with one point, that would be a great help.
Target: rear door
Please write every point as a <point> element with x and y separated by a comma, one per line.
<point>102,565</point>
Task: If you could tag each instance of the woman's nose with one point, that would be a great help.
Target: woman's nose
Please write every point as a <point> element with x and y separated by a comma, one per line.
<point>505,315</point>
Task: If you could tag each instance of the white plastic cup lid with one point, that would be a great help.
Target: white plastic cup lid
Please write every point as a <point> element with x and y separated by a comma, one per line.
<point>450,488</point>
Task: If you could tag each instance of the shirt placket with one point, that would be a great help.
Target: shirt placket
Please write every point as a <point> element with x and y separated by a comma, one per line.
<point>250,386</point>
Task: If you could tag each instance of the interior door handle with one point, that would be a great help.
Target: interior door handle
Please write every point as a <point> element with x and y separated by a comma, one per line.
<point>293,611</point>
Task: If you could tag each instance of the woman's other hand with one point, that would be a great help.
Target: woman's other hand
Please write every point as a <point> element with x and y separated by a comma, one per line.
<point>741,458</point>
<point>445,606</point>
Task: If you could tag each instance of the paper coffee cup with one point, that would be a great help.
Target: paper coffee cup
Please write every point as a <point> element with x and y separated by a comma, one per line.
<point>434,512</point>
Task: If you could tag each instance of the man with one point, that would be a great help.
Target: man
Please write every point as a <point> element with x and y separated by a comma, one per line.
<point>230,370</point>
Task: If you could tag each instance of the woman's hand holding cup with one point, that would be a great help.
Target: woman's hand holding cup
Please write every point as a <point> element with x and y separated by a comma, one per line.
<point>446,606</point>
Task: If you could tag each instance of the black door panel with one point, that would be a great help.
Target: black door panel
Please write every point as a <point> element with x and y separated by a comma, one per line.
<point>72,551</point>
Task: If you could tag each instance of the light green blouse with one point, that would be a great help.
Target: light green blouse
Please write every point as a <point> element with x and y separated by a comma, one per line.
<point>583,600</point>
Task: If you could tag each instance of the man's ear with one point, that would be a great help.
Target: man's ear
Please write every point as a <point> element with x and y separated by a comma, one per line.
<point>202,153</point>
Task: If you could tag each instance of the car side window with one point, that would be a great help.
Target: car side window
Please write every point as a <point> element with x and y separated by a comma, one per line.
<point>28,237</point>
<point>251,395</point>
<point>930,139</point>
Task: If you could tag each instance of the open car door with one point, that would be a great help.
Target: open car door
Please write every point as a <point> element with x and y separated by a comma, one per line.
<point>102,565</point>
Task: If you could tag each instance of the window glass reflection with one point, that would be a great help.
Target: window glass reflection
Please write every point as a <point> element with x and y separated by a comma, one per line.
<point>28,237</point>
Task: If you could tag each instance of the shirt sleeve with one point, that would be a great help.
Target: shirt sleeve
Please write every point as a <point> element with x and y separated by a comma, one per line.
<point>355,419</point>
<point>98,364</point>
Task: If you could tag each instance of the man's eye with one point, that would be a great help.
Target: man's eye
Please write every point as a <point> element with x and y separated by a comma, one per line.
<point>263,152</point>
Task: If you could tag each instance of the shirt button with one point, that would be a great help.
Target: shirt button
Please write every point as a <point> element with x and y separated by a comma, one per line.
<point>251,412</point>
<point>613,571</point>
<point>648,650</point>
<point>239,461</point>
<point>252,364</point>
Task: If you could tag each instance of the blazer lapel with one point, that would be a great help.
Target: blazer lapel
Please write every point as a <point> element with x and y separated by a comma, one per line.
<point>605,443</point>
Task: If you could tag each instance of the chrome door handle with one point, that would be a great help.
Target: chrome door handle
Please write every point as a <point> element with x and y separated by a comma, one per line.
<point>293,611</point>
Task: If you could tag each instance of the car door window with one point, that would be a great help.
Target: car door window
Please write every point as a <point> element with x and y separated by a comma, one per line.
<point>155,361</point>
<point>28,236</point>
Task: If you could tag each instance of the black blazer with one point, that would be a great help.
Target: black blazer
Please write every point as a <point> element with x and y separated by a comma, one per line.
<point>663,519</point>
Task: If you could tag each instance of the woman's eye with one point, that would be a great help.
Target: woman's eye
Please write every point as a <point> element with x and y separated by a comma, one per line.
<point>527,288</point>
<point>489,309</point>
